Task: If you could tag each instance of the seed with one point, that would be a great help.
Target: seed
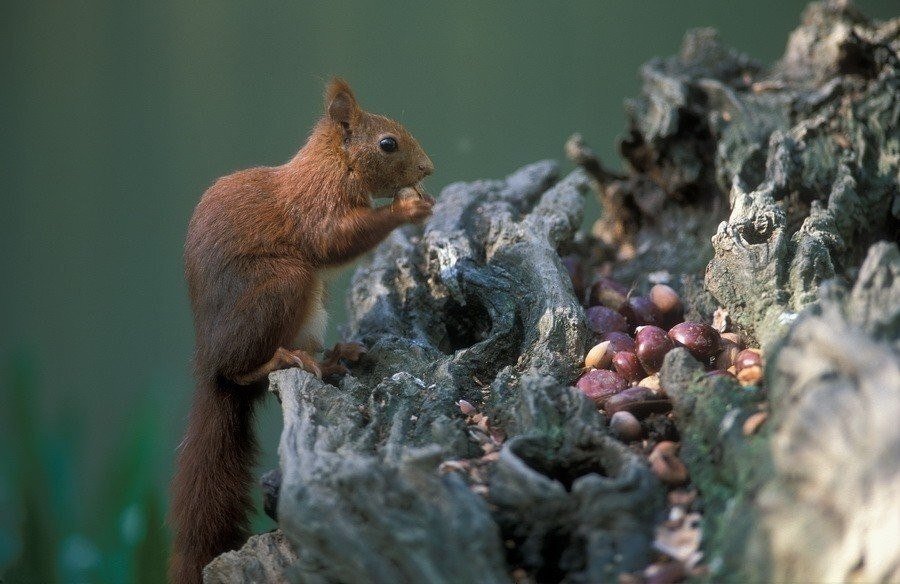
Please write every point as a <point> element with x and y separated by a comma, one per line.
<point>750,375</point>
<point>668,302</point>
<point>639,401</point>
<point>639,310</point>
<point>700,339</point>
<point>601,384</point>
<point>651,382</point>
<point>748,358</point>
<point>602,320</point>
<point>628,366</point>
<point>728,352</point>
<point>625,426</point>
<point>599,357</point>
<point>465,407</point>
<point>752,424</point>
<point>607,292</point>
<point>651,345</point>
<point>619,341</point>
<point>666,465</point>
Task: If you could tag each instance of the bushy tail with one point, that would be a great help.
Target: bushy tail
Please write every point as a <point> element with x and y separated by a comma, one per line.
<point>213,477</point>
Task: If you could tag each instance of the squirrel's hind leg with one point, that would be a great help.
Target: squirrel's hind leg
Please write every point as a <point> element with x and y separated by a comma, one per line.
<point>282,359</point>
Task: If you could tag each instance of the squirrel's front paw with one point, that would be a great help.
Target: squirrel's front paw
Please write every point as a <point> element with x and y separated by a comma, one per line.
<point>414,209</point>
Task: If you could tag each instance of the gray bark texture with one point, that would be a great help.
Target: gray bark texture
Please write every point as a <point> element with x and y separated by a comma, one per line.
<point>771,193</point>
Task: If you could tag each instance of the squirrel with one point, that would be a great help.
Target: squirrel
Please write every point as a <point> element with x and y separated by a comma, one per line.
<point>257,247</point>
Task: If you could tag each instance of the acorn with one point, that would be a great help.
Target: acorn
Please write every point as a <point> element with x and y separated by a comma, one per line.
<point>601,384</point>
<point>728,352</point>
<point>619,341</point>
<point>602,320</point>
<point>639,401</point>
<point>599,357</point>
<point>700,339</point>
<point>628,366</point>
<point>607,292</point>
<point>651,345</point>
<point>668,302</point>
<point>666,465</point>
<point>748,358</point>
<point>639,310</point>
<point>625,426</point>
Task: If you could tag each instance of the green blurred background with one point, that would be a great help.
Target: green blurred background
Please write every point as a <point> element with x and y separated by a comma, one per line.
<point>117,115</point>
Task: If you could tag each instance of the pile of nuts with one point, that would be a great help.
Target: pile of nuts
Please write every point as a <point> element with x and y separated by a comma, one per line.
<point>633,333</point>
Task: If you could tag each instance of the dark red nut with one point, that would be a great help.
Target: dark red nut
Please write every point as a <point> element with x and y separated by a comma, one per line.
<point>573,266</point>
<point>607,292</point>
<point>651,345</point>
<point>666,465</point>
<point>748,358</point>
<point>638,310</point>
<point>700,339</point>
<point>625,426</point>
<point>667,301</point>
<point>602,320</point>
<point>601,384</point>
<point>638,401</point>
<point>728,352</point>
<point>619,341</point>
<point>628,366</point>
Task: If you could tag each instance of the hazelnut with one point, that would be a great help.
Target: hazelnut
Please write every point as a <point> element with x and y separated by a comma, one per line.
<point>599,357</point>
<point>639,401</point>
<point>700,339</point>
<point>625,426</point>
<point>665,298</point>
<point>465,407</point>
<point>728,352</point>
<point>607,292</point>
<point>666,465</point>
<point>628,366</point>
<point>619,341</point>
<point>734,338</point>
<point>601,384</point>
<point>651,382</point>
<point>651,345</point>
<point>748,358</point>
<point>602,320</point>
<point>638,310</point>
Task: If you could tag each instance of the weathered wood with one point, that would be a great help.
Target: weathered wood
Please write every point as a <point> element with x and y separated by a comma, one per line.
<point>760,190</point>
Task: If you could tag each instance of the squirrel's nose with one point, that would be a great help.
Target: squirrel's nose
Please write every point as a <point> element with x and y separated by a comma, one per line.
<point>426,166</point>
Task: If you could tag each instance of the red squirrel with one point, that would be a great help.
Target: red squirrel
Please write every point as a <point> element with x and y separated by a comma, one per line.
<point>257,246</point>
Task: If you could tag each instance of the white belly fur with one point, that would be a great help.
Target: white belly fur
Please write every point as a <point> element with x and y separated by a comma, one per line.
<point>312,335</point>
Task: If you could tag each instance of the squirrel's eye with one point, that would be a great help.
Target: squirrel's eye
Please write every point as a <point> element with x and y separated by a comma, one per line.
<point>388,144</point>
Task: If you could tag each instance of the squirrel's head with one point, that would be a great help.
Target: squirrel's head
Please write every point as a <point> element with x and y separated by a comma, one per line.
<point>379,151</point>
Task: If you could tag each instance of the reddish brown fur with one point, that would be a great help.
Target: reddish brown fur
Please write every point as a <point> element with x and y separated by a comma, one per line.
<point>255,244</point>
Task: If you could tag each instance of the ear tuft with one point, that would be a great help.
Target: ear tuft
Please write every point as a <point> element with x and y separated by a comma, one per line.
<point>340,105</point>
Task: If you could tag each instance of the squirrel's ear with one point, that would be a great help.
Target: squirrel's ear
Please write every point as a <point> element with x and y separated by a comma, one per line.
<point>340,105</point>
